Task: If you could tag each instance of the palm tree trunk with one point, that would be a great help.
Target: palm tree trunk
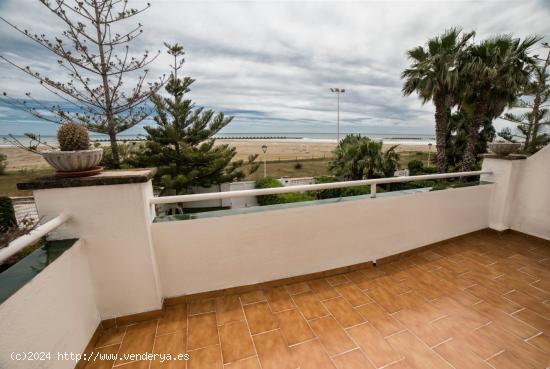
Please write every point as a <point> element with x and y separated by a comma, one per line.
<point>441,132</point>
<point>469,158</point>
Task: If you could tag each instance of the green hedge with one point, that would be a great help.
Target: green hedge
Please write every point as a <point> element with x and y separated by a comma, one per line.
<point>285,198</point>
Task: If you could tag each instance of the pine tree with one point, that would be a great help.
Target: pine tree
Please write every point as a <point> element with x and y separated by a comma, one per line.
<point>94,52</point>
<point>533,125</point>
<point>182,146</point>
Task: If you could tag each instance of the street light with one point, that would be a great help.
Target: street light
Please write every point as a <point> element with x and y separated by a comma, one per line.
<point>338,91</point>
<point>264,149</point>
<point>429,153</point>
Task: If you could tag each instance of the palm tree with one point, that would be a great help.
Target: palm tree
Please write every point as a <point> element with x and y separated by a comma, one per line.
<point>358,157</point>
<point>434,75</point>
<point>497,70</point>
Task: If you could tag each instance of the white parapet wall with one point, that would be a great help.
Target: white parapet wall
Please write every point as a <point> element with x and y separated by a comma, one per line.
<point>215,253</point>
<point>53,313</point>
<point>530,209</point>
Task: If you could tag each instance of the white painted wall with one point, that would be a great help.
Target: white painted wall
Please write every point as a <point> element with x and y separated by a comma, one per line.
<point>114,221</point>
<point>530,210</point>
<point>54,312</point>
<point>214,253</point>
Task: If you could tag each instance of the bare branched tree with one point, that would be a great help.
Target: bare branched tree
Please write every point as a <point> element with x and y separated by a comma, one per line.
<point>97,59</point>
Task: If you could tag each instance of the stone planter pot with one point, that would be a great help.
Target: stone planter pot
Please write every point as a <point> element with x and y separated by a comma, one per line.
<point>504,148</point>
<point>74,161</point>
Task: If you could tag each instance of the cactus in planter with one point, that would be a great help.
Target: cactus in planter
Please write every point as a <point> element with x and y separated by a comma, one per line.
<point>73,137</point>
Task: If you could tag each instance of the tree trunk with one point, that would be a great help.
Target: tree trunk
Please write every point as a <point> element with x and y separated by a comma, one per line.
<point>441,132</point>
<point>469,158</point>
<point>114,150</point>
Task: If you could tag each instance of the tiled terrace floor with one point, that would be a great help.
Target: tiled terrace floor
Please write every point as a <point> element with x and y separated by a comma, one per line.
<point>482,301</point>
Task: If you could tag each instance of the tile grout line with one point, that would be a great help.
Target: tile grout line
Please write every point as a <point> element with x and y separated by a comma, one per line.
<point>249,332</point>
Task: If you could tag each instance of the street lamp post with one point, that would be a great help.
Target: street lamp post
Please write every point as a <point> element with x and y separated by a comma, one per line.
<point>264,149</point>
<point>338,91</point>
<point>429,153</point>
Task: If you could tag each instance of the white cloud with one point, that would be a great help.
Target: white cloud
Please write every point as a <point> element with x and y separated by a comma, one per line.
<point>272,63</point>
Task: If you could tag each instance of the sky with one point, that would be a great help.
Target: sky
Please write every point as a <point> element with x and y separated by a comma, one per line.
<point>271,64</point>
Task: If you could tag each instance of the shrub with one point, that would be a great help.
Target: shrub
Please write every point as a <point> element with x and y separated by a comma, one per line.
<point>7,214</point>
<point>330,193</point>
<point>73,137</point>
<point>3,163</point>
<point>298,166</point>
<point>267,182</point>
<point>415,167</point>
<point>285,198</point>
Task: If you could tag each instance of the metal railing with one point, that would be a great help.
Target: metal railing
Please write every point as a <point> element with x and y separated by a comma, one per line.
<point>20,243</point>
<point>311,187</point>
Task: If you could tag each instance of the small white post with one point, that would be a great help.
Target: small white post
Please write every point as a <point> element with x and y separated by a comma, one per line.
<point>373,190</point>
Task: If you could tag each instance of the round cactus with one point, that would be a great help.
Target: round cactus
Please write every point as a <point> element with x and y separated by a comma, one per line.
<point>73,137</point>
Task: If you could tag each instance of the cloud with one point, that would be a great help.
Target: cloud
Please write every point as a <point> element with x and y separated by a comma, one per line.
<point>271,64</point>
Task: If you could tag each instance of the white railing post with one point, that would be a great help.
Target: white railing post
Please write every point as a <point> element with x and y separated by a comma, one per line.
<point>373,190</point>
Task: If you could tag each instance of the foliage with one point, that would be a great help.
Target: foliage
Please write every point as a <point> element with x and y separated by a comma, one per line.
<point>494,72</point>
<point>94,52</point>
<point>3,163</point>
<point>457,137</point>
<point>533,123</point>
<point>356,157</point>
<point>338,192</point>
<point>181,145</point>
<point>434,76</point>
<point>298,166</point>
<point>126,152</point>
<point>415,167</point>
<point>73,137</point>
<point>7,214</point>
<point>267,182</point>
<point>284,198</point>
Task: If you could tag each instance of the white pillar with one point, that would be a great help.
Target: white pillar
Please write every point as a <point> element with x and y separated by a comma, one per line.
<point>505,177</point>
<point>110,213</point>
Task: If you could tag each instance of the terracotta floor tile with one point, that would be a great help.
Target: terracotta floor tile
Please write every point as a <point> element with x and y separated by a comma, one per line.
<point>332,336</point>
<point>111,336</point>
<point>352,360</point>
<point>228,309</point>
<point>323,289</point>
<point>201,307</point>
<point>337,280</point>
<point>279,299</point>
<point>343,312</point>
<point>311,355</point>
<point>525,300</point>
<point>294,327</point>
<point>353,294</point>
<point>273,351</point>
<point>403,364</point>
<point>380,319</point>
<point>359,279</point>
<point>250,363</point>
<point>296,288</point>
<point>172,344</point>
<point>174,319</point>
<point>205,358</point>
<point>417,354</point>
<point>202,331</point>
<point>137,365</point>
<point>236,342</point>
<point>139,338</point>
<point>430,334</point>
<point>260,318</point>
<point>533,319</point>
<point>374,345</point>
<point>252,297</point>
<point>460,356</point>
<point>105,357</point>
<point>389,301</point>
<point>494,299</point>
<point>508,360</point>
<point>506,321</point>
<point>542,342</point>
<point>309,305</point>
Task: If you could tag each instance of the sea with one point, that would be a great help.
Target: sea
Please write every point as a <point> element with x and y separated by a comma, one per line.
<point>321,137</point>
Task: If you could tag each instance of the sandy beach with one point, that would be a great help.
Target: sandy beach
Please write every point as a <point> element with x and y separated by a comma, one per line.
<point>283,149</point>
